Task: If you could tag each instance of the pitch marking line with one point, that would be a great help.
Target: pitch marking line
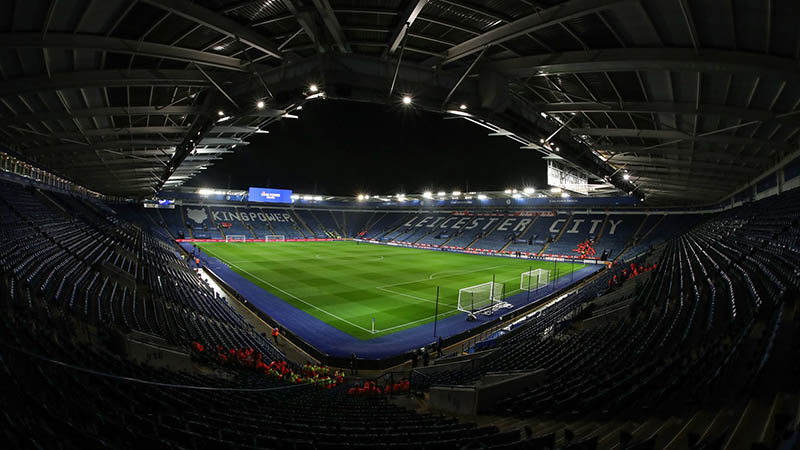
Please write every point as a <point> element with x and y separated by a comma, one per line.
<point>430,277</point>
<point>296,297</point>
<point>413,322</point>
<point>412,296</point>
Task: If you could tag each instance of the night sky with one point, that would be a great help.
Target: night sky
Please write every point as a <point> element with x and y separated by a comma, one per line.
<point>347,148</point>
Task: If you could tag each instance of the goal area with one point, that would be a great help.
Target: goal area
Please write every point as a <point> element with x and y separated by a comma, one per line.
<point>484,298</point>
<point>235,238</point>
<point>274,238</point>
<point>534,279</point>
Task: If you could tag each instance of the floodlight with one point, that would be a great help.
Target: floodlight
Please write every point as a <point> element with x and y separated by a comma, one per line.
<point>299,108</point>
<point>427,194</point>
<point>555,190</point>
<point>205,192</point>
<point>482,197</point>
<point>220,113</point>
<point>456,193</point>
<point>219,47</point>
<point>406,100</point>
<point>626,177</point>
<point>313,88</point>
<point>515,195</point>
<point>564,195</point>
<point>360,197</point>
<point>260,104</point>
<point>508,191</point>
<point>318,197</point>
<point>462,107</point>
<point>441,193</point>
<point>529,190</point>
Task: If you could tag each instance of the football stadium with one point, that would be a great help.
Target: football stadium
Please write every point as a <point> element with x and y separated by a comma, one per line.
<point>400,224</point>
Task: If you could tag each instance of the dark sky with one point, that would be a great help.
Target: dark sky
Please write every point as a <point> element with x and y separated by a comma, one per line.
<point>346,148</point>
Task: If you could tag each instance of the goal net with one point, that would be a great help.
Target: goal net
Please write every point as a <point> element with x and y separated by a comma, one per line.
<point>235,238</point>
<point>533,280</point>
<point>482,298</point>
<point>274,237</point>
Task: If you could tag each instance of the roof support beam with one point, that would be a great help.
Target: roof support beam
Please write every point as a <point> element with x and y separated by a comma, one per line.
<point>104,78</point>
<point>333,25</point>
<point>407,18</point>
<point>676,135</point>
<point>689,108</point>
<point>131,143</point>
<point>304,19</point>
<point>650,59</point>
<point>97,112</point>
<point>219,23</point>
<point>528,24</point>
<point>116,45</point>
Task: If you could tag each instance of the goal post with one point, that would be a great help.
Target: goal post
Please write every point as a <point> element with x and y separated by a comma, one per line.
<point>480,297</point>
<point>274,238</point>
<point>534,279</point>
<point>235,238</point>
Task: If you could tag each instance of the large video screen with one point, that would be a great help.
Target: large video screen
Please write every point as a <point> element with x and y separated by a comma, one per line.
<point>267,195</point>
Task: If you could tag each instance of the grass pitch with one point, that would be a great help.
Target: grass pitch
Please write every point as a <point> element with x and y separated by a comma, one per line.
<point>347,284</point>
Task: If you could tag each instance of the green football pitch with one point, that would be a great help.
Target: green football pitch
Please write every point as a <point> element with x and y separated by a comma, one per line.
<point>347,284</point>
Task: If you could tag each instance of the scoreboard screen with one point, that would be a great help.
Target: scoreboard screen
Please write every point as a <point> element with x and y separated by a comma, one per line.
<point>267,195</point>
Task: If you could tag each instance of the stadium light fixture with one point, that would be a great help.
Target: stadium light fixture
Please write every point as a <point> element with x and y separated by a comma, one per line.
<point>555,190</point>
<point>313,88</point>
<point>205,192</point>
<point>516,195</point>
<point>318,198</point>
<point>406,100</point>
<point>223,119</point>
<point>290,116</point>
<point>441,193</point>
<point>507,191</point>
<point>513,191</point>
<point>220,113</point>
<point>456,193</point>
<point>482,197</point>
<point>260,104</point>
<point>361,197</point>
<point>463,107</point>
<point>299,108</point>
<point>427,194</point>
<point>564,195</point>
<point>529,190</point>
<point>626,176</point>
<point>219,47</point>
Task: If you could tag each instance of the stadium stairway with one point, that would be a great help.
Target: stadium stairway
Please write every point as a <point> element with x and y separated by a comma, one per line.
<point>602,228</point>
<point>183,220</point>
<point>564,228</point>
<point>300,220</point>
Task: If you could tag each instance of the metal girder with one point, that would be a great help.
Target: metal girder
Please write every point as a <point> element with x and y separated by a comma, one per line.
<point>103,78</point>
<point>638,161</point>
<point>116,45</point>
<point>97,112</point>
<point>677,151</point>
<point>233,129</point>
<point>649,59</point>
<point>528,24</point>
<point>132,143</point>
<point>304,19</point>
<point>107,132</point>
<point>219,23</point>
<point>668,182</point>
<point>676,135</point>
<point>691,108</point>
<point>333,25</point>
<point>407,18</point>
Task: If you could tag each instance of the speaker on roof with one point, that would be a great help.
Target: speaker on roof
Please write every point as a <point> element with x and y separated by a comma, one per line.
<point>493,91</point>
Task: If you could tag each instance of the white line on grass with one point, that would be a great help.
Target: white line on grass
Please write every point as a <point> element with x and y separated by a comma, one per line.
<point>296,297</point>
<point>411,296</point>
<point>429,278</point>
<point>415,321</point>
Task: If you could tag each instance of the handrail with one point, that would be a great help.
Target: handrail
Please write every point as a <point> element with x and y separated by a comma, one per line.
<point>149,382</point>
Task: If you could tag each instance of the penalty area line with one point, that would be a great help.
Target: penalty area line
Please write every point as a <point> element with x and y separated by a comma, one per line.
<point>298,298</point>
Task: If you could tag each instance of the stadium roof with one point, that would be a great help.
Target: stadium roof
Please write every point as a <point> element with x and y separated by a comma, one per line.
<point>693,99</point>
